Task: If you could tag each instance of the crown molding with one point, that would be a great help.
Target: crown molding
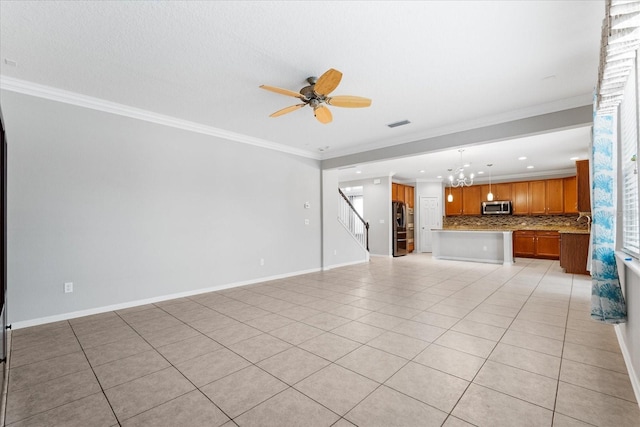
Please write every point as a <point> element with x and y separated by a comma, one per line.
<point>72,98</point>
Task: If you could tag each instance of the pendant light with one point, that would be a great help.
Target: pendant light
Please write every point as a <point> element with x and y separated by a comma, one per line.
<point>450,196</point>
<point>490,195</point>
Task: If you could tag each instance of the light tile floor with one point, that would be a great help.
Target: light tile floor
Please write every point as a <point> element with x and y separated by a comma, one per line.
<point>409,341</point>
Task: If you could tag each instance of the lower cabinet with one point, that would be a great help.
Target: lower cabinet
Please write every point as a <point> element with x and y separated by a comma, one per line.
<point>536,244</point>
<point>574,250</point>
<point>524,244</point>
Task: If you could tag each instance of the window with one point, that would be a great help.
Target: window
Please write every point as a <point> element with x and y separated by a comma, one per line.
<point>629,165</point>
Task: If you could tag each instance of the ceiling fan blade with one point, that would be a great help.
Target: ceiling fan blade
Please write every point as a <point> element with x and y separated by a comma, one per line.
<point>287,110</point>
<point>282,91</point>
<point>327,82</point>
<point>349,101</point>
<point>323,114</point>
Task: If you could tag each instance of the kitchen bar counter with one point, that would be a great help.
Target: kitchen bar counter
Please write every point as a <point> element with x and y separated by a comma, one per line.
<point>491,246</point>
<point>523,227</point>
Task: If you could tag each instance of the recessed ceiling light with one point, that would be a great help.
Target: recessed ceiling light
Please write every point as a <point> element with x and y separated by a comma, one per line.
<point>529,167</point>
<point>439,177</point>
<point>522,158</point>
<point>466,165</point>
<point>574,158</point>
<point>422,171</point>
<point>358,171</point>
<point>480,172</point>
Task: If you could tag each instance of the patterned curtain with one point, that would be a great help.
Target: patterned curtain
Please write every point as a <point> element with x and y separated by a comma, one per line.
<point>607,301</point>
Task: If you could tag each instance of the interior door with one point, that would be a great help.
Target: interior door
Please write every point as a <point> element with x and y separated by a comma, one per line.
<point>430,217</point>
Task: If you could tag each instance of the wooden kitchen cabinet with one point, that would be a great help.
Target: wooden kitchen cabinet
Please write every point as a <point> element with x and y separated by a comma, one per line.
<point>548,244</point>
<point>520,198</point>
<point>574,250</point>
<point>402,193</point>
<point>546,197</point>
<point>570,194</point>
<point>536,244</point>
<point>583,186</point>
<point>500,191</point>
<point>537,197</point>
<point>396,194</point>
<point>471,200</point>
<point>454,207</point>
<point>409,195</point>
<point>555,196</point>
<point>524,244</point>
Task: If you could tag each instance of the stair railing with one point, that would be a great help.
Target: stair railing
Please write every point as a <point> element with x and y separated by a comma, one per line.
<point>352,220</point>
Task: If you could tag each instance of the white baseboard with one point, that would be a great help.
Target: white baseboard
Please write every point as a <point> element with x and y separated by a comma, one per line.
<point>346,264</point>
<point>633,375</point>
<point>121,306</point>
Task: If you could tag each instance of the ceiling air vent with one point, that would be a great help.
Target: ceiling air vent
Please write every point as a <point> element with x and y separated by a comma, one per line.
<point>400,123</point>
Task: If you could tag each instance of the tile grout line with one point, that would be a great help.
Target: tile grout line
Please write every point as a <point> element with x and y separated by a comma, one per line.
<point>489,355</point>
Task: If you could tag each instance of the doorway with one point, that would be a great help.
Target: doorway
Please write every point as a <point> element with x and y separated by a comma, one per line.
<point>430,218</point>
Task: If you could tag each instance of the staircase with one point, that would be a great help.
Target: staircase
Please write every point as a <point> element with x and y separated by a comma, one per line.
<point>352,221</point>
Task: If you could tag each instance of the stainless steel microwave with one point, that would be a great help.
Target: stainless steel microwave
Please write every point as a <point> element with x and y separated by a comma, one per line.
<point>496,208</point>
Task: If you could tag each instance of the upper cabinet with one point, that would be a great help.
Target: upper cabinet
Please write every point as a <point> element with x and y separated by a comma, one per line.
<point>500,191</point>
<point>570,192</point>
<point>537,197</point>
<point>403,193</point>
<point>584,189</point>
<point>396,194</point>
<point>453,207</point>
<point>546,197</point>
<point>541,197</point>
<point>409,195</point>
<point>471,200</point>
<point>555,196</point>
<point>520,198</point>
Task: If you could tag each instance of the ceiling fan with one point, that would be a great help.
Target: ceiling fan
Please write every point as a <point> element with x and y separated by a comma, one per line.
<point>316,95</point>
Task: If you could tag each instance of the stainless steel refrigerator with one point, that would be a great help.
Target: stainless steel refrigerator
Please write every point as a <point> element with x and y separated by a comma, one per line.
<point>399,217</point>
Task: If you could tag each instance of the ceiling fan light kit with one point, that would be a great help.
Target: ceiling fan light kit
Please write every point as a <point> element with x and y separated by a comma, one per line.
<point>316,96</point>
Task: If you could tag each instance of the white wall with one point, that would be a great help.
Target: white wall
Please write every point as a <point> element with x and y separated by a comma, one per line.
<point>629,333</point>
<point>377,212</point>
<point>129,210</point>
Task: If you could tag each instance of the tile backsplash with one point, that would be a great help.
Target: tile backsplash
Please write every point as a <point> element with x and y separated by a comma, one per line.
<point>516,222</point>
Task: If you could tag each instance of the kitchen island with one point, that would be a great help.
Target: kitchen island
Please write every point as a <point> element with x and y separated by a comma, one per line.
<point>491,246</point>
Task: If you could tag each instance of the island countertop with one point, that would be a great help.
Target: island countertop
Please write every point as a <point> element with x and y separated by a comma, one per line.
<point>479,245</point>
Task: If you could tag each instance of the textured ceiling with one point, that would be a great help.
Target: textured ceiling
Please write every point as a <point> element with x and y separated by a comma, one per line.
<point>443,65</point>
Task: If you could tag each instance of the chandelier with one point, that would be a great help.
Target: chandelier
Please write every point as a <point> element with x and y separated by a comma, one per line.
<point>457,177</point>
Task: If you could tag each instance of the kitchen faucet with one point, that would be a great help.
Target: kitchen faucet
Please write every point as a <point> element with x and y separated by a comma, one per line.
<point>588,216</point>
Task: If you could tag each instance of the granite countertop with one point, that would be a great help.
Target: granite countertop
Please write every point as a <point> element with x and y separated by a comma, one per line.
<point>559,229</point>
<point>574,231</point>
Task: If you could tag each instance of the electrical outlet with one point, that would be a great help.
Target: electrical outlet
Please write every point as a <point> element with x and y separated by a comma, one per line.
<point>261,261</point>
<point>306,222</point>
<point>68,287</point>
